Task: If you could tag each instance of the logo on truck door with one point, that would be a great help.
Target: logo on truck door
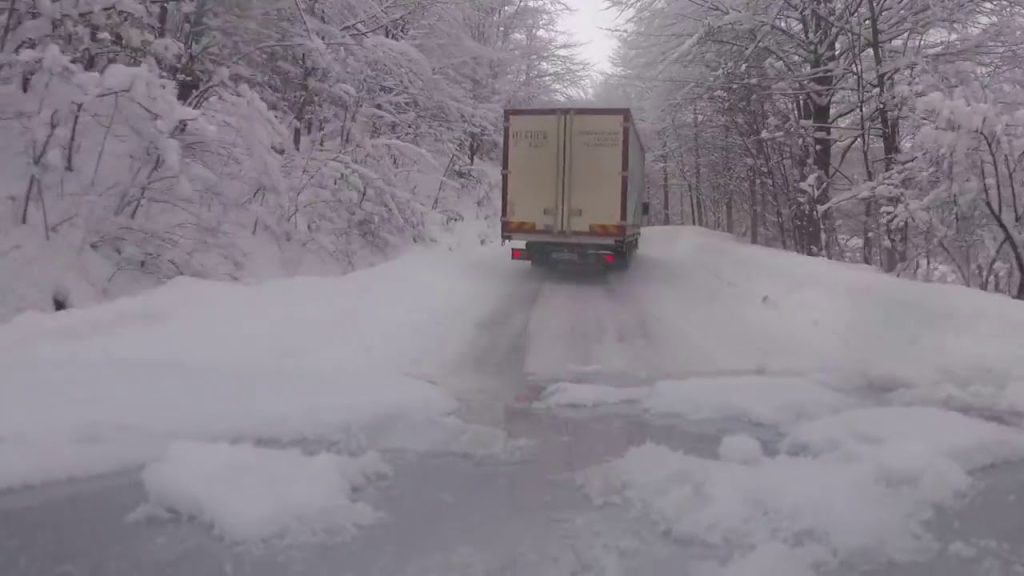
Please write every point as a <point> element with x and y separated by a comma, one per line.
<point>599,138</point>
<point>531,138</point>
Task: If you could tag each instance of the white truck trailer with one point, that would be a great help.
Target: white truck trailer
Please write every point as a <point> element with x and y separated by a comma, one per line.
<point>572,185</point>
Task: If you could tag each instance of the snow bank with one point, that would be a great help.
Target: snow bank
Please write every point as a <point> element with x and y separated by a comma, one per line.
<point>93,390</point>
<point>713,305</point>
<point>568,394</point>
<point>250,493</point>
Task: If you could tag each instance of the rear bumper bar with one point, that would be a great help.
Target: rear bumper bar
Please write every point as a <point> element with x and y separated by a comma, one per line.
<point>610,241</point>
<point>568,253</point>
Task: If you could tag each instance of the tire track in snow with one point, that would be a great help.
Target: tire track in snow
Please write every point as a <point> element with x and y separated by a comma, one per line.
<point>489,376</point>
<point>590,329</point>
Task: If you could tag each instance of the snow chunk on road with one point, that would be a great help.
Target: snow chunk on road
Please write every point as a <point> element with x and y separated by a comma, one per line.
<point>248,493</point>
<point>768,400</point>
<point>447,435</point>
<point>852,508</point>
<point>854,487</point>
<point>969,442</point>
<point>568,394</point>
<point>770,559</point>
<point>740,449</point>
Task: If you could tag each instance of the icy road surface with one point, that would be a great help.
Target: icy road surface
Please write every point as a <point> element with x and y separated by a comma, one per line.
<point>719,410</point>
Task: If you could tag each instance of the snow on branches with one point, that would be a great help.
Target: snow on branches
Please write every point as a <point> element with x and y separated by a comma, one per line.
<point>879,131</point>
<point>238,139</point>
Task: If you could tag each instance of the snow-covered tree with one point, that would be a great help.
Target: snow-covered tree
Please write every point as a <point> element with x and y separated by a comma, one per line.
<point>823,124</point>
<point>196,137</point>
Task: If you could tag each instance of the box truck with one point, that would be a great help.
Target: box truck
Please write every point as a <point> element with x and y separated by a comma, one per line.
<point>572,185</point>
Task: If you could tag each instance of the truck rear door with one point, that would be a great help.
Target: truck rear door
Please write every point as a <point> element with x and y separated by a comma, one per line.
<point>534,172</point>
<point>594,184</point>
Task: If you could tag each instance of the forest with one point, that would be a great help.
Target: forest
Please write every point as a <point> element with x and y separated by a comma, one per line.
<point>238,139</point>
<point>884,132</point>
<point>242,139</point>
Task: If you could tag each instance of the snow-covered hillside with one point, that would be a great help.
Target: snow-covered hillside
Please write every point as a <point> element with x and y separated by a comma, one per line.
<point>873,384</point>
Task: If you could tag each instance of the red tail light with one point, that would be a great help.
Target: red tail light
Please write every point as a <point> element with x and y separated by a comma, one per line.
<point>520,254</point>
<point>608,258</point>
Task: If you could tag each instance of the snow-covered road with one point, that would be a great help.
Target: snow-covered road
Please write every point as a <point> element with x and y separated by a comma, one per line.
<point>720,409</point>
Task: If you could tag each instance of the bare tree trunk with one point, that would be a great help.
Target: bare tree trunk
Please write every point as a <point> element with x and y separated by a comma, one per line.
<point>992,264</point>
<point>1012,242</point>
<point>964,271</point>
<point>701,218</point>
<point>33,182</point>
<point>868,253</point>
<point>682,206</point>
<point>693,204</point>
<point>730,225</point>
<point>70,166</point>
<point>145,186</point>
<point>780,220</point>
<point>928,254</point>
<point>440,185</point>
<point>897,235</point>
<point>716,206</point>
<point>103,143</point>
<point>28,198</point>
<point>819,33</point>
<point>42,204</point>
<point>754,208</point>
<point>664,186</point>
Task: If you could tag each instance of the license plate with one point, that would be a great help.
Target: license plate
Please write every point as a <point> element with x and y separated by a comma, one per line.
<point>564,256</point>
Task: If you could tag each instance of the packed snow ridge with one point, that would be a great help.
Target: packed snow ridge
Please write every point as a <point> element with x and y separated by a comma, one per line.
<point>775,401</point>
<point>863,495</point>
<point>249,493</point>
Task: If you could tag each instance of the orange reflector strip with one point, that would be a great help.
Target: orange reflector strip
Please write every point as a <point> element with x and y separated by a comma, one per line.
<point>607,229</point>
<point>520,226</point>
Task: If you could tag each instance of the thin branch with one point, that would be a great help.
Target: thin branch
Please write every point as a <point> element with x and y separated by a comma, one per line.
<point>7,25</point>
<point>959,268</point>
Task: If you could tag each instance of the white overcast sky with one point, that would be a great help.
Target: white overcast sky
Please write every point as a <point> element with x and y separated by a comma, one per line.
<point>586,24</point>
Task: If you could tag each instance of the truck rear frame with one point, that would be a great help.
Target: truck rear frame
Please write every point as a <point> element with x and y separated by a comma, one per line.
<point>577,177</point>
